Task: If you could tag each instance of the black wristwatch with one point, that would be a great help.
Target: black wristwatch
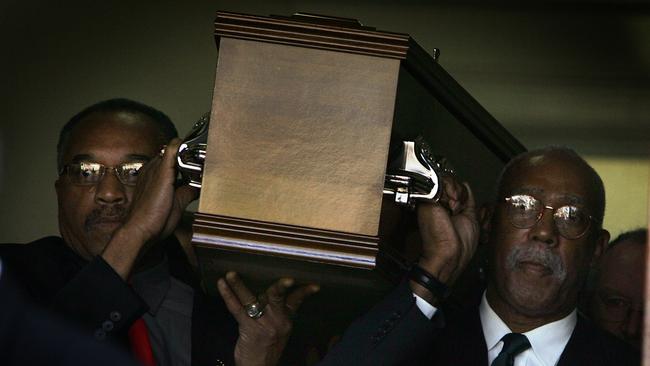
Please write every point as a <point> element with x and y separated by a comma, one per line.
<point>428,281</point>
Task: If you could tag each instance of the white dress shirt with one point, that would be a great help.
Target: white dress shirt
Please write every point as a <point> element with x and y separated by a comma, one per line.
<point>547,342</point>
<point>427,309</point>
<point>169,318</point>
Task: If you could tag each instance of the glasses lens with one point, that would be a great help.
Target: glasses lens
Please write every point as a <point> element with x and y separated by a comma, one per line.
<point>85,173</point>
<point>571,221</point>
<point>128,172</point>
<point>523,210</point>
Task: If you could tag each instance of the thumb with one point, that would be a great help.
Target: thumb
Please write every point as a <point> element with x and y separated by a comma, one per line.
<point>182,198</point>
<point>184,195</point>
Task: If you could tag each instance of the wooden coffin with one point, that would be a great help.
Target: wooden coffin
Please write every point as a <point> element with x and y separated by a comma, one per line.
<point>306,112</point>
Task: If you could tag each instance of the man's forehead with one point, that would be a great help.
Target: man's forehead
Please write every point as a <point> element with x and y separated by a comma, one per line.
<point>551,170</point>
<point>117,133</point>
<point>91,157</point>
<point>536,160</point>
<point>542,193</point>
<point>118,122</point>
<point>626,251</point>
<point>627,261</point>
<point>554,178</point>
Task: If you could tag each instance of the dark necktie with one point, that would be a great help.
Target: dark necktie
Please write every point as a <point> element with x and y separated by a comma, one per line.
<point>513,344</point>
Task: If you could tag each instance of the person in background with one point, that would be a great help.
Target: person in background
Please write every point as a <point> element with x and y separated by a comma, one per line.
<point>616,295</point>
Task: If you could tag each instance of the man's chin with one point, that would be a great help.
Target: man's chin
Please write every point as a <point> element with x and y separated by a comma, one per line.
<point>105,227</point>
<point>100,234</point>
<point>533,298</point>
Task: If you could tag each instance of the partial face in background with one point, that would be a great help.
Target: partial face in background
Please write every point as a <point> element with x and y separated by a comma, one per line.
<point>536,272</point>
<point>617,302</point>
<point>90,214</point>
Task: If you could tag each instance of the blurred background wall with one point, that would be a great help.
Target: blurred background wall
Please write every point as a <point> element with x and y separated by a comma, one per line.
<point>553,72</point>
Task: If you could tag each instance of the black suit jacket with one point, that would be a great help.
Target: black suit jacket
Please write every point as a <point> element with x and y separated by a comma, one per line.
<point>395,332</point>
<point>94,297</point>
<point>30,336</point>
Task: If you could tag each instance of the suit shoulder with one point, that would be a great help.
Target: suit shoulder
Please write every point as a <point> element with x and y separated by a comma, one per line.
<point>40,267</point>
<point>38,244</point>
<point>606,347</point>
<point>47,247</point>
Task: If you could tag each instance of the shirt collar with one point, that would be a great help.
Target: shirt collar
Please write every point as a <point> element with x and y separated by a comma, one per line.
<point>547,341</point>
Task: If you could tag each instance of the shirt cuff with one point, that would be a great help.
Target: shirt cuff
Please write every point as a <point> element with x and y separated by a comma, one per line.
<point>427,309</point>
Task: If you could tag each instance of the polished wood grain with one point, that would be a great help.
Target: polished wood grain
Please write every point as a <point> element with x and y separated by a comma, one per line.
<point>313,31</point>
<point>306,112</point>
<point>299,136</point>
<point>293,242</point>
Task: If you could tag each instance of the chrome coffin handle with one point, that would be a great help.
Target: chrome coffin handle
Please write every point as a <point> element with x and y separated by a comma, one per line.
<point>414,176</point>
<point>191,154</point>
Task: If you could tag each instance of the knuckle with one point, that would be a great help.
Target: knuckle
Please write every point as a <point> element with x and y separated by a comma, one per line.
<point>286,329</point>
<point>272,332</point>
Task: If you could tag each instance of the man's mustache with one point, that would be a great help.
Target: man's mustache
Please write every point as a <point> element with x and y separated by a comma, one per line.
<point>539,255</point>
<point>116,213</point>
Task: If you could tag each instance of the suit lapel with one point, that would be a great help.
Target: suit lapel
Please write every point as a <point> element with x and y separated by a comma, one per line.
<point>580,349</point>
<point>462,342</point>
<point>214,330</point>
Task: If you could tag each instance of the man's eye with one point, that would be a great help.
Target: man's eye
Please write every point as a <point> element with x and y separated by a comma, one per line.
<point>521,206</point>
<point>130,171</point>
<point>88,170</point>
<point>523,202</point>
<point>615,302</point>
<point>570,214</point>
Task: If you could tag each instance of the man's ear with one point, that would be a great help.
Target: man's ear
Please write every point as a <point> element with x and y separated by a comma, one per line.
<point>485,213</point>
<point>601,240</point>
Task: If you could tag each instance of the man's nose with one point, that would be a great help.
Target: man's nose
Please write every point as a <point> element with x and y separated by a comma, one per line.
<point>545,230</point>
<point>109,189</point>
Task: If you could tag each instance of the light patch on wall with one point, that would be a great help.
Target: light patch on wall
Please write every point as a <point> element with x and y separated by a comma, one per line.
<point>2,164</point>
<point>626,187</point>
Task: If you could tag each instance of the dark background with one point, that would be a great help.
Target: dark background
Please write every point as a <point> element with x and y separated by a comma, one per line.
<point>552,72</point>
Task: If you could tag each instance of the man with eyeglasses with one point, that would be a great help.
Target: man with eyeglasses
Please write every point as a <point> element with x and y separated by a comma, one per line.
<point>119,272</point>
<point>544,231</point>
<point>616,292</point>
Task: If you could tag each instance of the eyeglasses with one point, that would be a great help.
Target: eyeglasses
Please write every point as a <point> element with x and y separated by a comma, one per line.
<point>88,173</point>
<point>617,308</point>
<point>525,211</point>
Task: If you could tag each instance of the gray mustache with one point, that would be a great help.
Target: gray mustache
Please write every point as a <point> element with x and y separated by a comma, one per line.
<point>105,213</point>
<point>537,254</point>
